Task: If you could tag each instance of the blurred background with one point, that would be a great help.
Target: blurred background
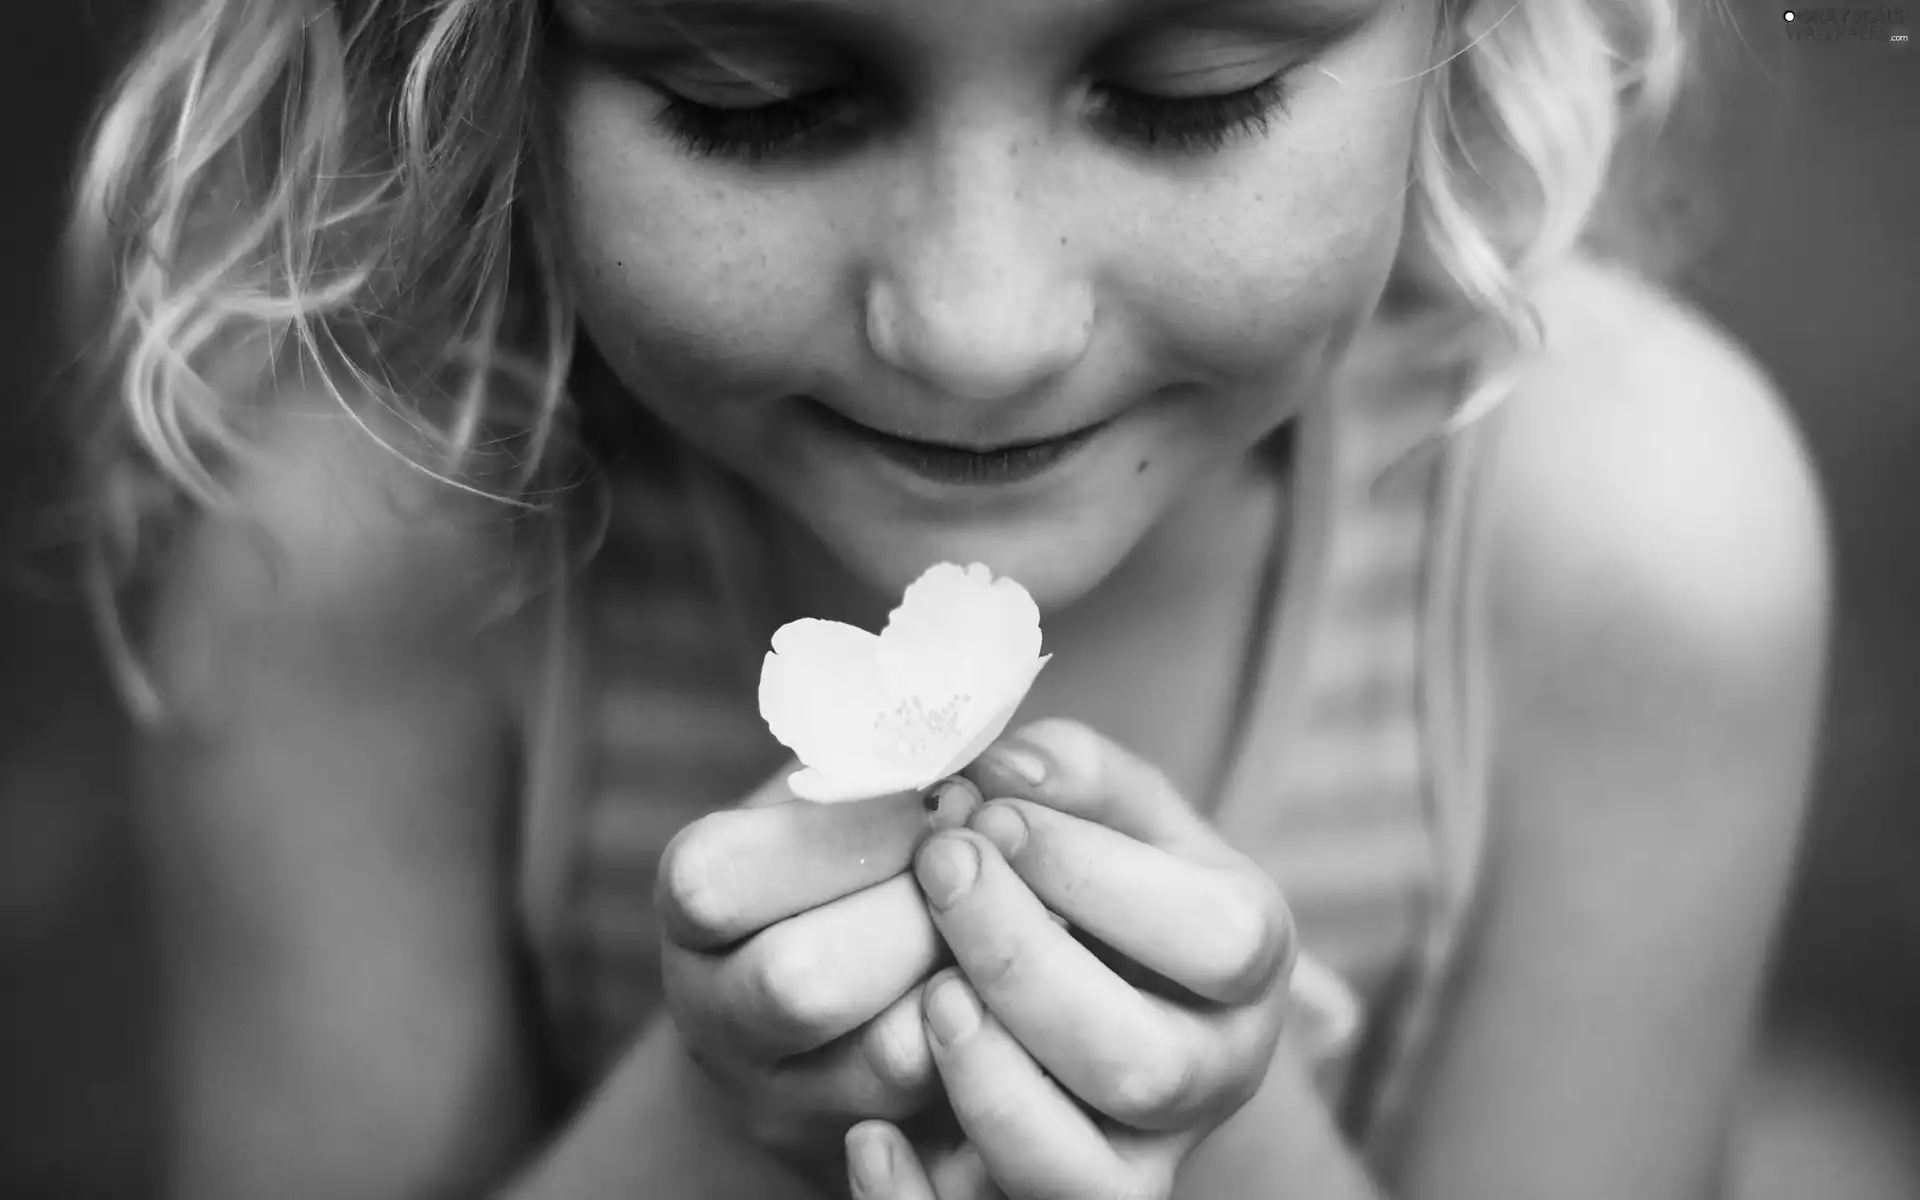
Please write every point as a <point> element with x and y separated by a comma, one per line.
<point>1814,264</point>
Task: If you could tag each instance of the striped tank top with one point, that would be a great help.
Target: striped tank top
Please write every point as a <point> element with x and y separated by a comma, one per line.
<point>1358,782</point>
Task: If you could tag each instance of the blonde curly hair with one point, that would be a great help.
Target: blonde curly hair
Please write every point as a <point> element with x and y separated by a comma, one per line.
<point>344,198</point>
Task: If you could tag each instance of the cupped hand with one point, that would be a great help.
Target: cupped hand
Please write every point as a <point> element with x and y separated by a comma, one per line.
<point>795,946</point>
<point>1089,1062</point>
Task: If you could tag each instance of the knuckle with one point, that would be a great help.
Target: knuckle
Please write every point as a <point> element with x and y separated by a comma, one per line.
<point>1151,1091</point>
<point>995,961</point>
<point>897,1053</point>
<point>795,995</point>
<point>690,891</point>
<point>1253,939</point>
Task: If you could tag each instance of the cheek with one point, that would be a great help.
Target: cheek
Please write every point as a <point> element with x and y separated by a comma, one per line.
<point>699,289</point>
<point>1289,250</point>
<point>683,282</point>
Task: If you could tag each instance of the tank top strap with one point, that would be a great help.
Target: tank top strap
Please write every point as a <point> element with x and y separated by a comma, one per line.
<point>1343,650</point>
<point>550,756</point>
<point>1455,695</point>
<point>1357,792</point>
<point>629,660</point>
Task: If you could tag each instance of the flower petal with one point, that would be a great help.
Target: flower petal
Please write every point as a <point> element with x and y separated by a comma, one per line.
<point>811,783</point>
<point>993,724</point>
<point>871,716</point>
<point>961,632</point>
<point>820,694</point>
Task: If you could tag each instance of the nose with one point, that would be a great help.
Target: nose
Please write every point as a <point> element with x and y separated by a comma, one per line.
<point>971,295</point>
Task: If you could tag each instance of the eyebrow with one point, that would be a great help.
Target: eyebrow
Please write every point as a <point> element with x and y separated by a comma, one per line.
<point>1314,18</point>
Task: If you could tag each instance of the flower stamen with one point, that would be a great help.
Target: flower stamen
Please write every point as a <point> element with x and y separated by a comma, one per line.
<point>910,729</point>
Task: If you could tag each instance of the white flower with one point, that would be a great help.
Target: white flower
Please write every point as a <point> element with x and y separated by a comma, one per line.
<point>873,715</point>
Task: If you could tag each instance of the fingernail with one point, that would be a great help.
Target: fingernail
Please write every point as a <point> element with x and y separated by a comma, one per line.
<point>869,1159</point>
<point>1022,762</point>
<point>952,1013</point>
<point>950,802</point>
<point>948,867</point>
<point>1002,825</point>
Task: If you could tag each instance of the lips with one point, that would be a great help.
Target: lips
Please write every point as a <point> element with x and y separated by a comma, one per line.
<point>950,464</point>
<point>942,447</point>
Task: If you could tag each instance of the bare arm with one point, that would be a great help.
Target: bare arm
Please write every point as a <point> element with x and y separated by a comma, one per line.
<point>328,813</point>
<point>1659,618</point>
<point>1658,587</point>
<point>658,1127</point>
<point>325,816</point>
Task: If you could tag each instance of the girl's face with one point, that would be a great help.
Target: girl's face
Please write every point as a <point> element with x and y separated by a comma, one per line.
<point>836,243</point>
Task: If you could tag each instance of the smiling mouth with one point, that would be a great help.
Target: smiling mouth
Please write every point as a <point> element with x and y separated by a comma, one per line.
<point>950,464</point>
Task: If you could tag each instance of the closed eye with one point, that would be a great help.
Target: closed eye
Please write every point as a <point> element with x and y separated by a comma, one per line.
<point>1186,124</point>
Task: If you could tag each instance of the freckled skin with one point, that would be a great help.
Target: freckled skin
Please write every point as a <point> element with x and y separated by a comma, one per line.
<point>994,268</point>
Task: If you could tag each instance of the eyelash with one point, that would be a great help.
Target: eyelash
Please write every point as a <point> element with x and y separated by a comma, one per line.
<point>1174,124</point>
<point>1196,124</point>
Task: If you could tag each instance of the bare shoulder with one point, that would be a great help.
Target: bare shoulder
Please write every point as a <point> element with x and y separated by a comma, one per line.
<point>335,768</point>
<point>1651,501</point>
<point>1656,587</point>
<point>338,553</point>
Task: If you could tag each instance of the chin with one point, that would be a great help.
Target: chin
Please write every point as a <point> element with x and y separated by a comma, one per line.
<point>1057,568</point>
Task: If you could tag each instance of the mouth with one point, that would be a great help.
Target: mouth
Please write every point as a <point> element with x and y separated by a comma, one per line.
<point>946,463</point>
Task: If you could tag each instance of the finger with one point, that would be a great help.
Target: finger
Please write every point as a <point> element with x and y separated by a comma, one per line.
<point>1067,766</point>
<point>952,802</point>
<point>734,872</point>
<point>961,1174</point>
<point>882,1166</point>
<point>1145,1062</point>
<point>1034,1140</point>
<point>883,1069</point>
<point>1221,933</point>
<point>807,980</point>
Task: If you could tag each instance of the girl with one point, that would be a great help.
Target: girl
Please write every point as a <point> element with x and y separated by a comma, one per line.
<point>485,380</point>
